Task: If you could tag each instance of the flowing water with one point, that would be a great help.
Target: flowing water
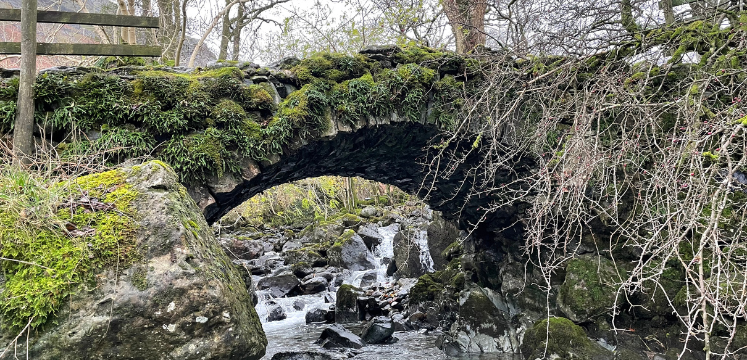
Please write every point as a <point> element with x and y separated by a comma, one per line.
<point>293,334</point>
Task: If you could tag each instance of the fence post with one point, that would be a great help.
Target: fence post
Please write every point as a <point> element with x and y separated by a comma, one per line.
<point>23,132</point>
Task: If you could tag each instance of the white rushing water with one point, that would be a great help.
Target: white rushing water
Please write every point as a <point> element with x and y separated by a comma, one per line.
<point>293,334</point>
<point>383,253</point>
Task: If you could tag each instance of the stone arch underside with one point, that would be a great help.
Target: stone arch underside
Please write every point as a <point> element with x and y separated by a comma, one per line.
<point>386,151</point>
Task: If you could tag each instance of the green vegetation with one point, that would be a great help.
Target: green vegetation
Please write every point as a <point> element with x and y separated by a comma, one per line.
<point>314,202</point>
<point>428,288</point>
<point>207,121</point>
<point>55,235</point>
<point>562,338</point>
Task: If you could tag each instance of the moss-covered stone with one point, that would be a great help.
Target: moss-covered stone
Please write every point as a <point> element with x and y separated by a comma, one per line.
<point>55,250</point>
<point>346,305</point>
<point>588,289</point>
<point>428,288</point>
<point>562,339</point>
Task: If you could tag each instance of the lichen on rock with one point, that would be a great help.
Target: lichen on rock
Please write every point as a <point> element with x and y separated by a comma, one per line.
<point>179,298</point>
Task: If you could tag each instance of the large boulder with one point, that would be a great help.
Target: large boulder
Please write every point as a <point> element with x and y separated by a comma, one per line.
<point>370,235</point>
<point>279,285</point>
<point>441,234</point>
<point>179,296</point>
<point>350,252</point>
<point>378,330</point>
<point>484,323</point>
<point>320,314</point>
<point>346,305</point>
<point>411,255</point>
<point>336,337</point>
<point>588,290</point>
<point>243,249</point>
<point>561,339</point>
<point>276,314</point>
<point>314,285</point>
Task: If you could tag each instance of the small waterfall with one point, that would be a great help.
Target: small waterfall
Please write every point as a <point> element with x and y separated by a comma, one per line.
<point>383,253</point>
<point>421,239</point>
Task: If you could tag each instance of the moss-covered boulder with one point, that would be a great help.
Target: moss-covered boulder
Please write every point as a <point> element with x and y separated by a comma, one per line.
<point>350,252</point>
<point>346,305</point>
<point>177,296</point>
<point>411,254</point>
<point>484,323</point>
<point>587,290</point>
<point>441,235</point>
<point>563,340</point>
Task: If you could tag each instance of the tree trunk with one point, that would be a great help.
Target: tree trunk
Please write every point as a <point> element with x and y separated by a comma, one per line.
<point>124,34</point>
<point>467,20</point>
<point>668,9</point>
<point>626,16</point>
<point>23,132</point>
<point>237,34</point>
<point>226,32</point>
<point>148,11</point>
<point>178,57</point>
<point>210,28</point>
<point>131,31</point>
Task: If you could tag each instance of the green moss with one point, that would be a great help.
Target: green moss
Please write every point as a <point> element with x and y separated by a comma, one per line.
<point>346,297</point>
<point>139,278</point>
<point>458,281</point>
<point>428,288</point>
<point>330,66</point>
<point>561,337</point>
<point>453,251</point>
<point>62,243</point>
<point>588,287</point>
<point>257,97</point>
<point>198,156</point>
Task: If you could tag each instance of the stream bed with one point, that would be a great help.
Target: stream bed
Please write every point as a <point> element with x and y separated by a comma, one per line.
<point>293,333</point>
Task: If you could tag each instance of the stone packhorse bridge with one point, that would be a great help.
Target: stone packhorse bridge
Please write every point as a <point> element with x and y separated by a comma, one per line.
<point>235,129</point>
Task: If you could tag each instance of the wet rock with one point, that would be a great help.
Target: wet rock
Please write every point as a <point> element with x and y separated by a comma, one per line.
<point>564,340</point>
<point>350,252</point>
<point>244,249</point>
<point>189,297</point>
<point>324,232</point>
<point>314,285</point>
<point>302,269</point>
<point>369,278</point>
<point>482,325</point>
<point>400,323</point>
<point>369,212</point>
<point>321,314</point>
<point>407,254</point>
<point>370,235</point>
<point>307,355</point>
<point>336,336</point>
<point>299,305</point>
<point>305,255</point>
<point>291,245</point>
<point>441,234</point>
<point>391,268</point>
<point>378,330</point>
<point>346,306</point>
<point>276,314</point>
<point>280,285</point>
